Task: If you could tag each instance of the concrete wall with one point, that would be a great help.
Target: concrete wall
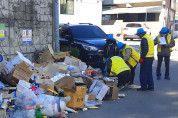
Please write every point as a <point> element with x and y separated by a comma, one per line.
<point>85,11</point>
<point>25,14</point>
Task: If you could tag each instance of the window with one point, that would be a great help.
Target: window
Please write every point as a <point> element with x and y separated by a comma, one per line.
<point>133,25</point>
<point>151,16</point>
<point>67,7</point>
<point>87,32</point>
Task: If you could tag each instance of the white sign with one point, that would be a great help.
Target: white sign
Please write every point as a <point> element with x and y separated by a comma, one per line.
<point>26,36</point>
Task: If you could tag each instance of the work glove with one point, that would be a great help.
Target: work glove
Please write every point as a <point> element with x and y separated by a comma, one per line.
<point>141,60</point>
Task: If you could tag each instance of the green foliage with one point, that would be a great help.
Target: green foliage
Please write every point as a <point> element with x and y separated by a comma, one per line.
<point>74,51</point>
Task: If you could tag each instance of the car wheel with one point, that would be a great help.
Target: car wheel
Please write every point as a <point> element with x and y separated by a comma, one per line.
<point>131,39</point>
<point>125,39</point>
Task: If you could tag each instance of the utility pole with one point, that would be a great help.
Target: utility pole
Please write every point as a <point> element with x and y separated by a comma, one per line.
<point>56,45</point>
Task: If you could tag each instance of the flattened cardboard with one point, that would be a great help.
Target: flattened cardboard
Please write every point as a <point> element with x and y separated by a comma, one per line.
<point>3,113</point>
<point>51,70</point>
<point>45,84</point>
<point>8,67</point>
<point>21,72</point>
<point>75,62</point>
<point>88,81</point>
<point>66,82</point>
<point>99,89</point>
<point>45,57</point>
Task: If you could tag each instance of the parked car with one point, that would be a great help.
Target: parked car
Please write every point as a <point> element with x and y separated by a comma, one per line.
<point>130,30</point>
<point>89,39</point>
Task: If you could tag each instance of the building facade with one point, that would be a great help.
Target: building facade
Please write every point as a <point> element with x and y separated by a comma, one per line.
<point>80,11</point>
<point>155,13</point>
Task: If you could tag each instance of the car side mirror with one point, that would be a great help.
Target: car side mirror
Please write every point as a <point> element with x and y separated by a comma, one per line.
<point>67,37</point>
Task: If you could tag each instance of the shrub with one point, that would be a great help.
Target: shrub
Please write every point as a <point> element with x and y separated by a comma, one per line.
<point>74,51</point>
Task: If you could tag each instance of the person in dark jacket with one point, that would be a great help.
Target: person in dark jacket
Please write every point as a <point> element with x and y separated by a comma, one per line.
<point>164,51</point>
<point>110,47</point>
<point>146,61</point>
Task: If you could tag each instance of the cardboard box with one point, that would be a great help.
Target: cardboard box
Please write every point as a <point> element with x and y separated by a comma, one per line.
<point>21,72</point>
<point>58,55</point>
<point>45,84</point>
<point>77,97</point>
<point>111,81</point>
<point>112,93</point>
<point>91,97</point>
<point>3,113</point>
<point>99,89</point>
<point>66,82</point>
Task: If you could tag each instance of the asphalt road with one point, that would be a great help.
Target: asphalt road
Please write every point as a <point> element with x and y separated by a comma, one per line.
<point>161,103</point>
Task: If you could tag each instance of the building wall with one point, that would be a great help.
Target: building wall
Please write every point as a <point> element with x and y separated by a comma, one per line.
<point>85,11</point>
<point>22,14</point>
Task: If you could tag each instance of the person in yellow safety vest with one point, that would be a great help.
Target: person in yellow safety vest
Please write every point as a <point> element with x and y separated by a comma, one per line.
<point>130,56</point>
<point>115,66</point>
<point>146,60</point>
<point>164,50</point>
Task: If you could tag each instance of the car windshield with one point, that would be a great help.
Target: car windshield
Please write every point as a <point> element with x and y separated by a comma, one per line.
<point>133,25</point>
<point>87,32</point>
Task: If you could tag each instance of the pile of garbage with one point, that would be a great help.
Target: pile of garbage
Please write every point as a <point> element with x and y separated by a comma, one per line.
<point>52,86</point>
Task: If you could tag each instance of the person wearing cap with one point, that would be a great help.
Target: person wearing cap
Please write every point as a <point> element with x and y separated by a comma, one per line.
<point>130,56</point>
<point>164,51</point>
<point>110,47</point>
<point>146,60</point>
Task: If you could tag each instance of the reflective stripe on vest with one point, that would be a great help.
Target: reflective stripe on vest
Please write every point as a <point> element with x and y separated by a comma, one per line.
<point>118,66</point>
<point>134,58</point>
<point>168,41</point>
<point>150,45</point>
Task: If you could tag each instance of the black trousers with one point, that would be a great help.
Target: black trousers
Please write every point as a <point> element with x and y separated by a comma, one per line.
<point>132,74</point>
<point>124,78</point>
<point>167,61</point>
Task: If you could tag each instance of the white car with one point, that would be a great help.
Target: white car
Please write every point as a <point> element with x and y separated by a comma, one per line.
<point>130,30</point>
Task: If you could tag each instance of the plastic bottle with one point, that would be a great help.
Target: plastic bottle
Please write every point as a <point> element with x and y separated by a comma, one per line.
<point>38,114</point>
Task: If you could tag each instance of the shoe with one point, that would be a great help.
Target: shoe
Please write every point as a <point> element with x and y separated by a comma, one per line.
<point>121,87</point>
<point>151,89</point>
<point>158,77</point>
<point>167,77</point>
<point>141,89</point>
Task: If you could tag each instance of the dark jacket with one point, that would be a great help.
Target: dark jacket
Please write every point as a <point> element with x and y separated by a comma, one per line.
<point>165,50</point>
<point>144,51</point>
<point>110,48</point>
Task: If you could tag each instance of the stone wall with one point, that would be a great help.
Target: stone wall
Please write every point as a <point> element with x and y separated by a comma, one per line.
<point>25,14</point>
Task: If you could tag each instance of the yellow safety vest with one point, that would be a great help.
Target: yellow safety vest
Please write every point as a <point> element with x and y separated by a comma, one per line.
<point>134,58</point>
<point>168,41</point>
<point>150,45</point>
<point>118,66</point>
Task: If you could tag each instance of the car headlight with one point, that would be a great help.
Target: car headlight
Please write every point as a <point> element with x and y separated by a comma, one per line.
<point>90,48</point>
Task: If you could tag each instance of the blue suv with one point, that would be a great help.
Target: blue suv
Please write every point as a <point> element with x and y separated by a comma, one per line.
<point>89,39</point>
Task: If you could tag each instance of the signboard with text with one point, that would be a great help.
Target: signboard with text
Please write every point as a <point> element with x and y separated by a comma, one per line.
<point>2,36</point>
<point>26,36</point>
